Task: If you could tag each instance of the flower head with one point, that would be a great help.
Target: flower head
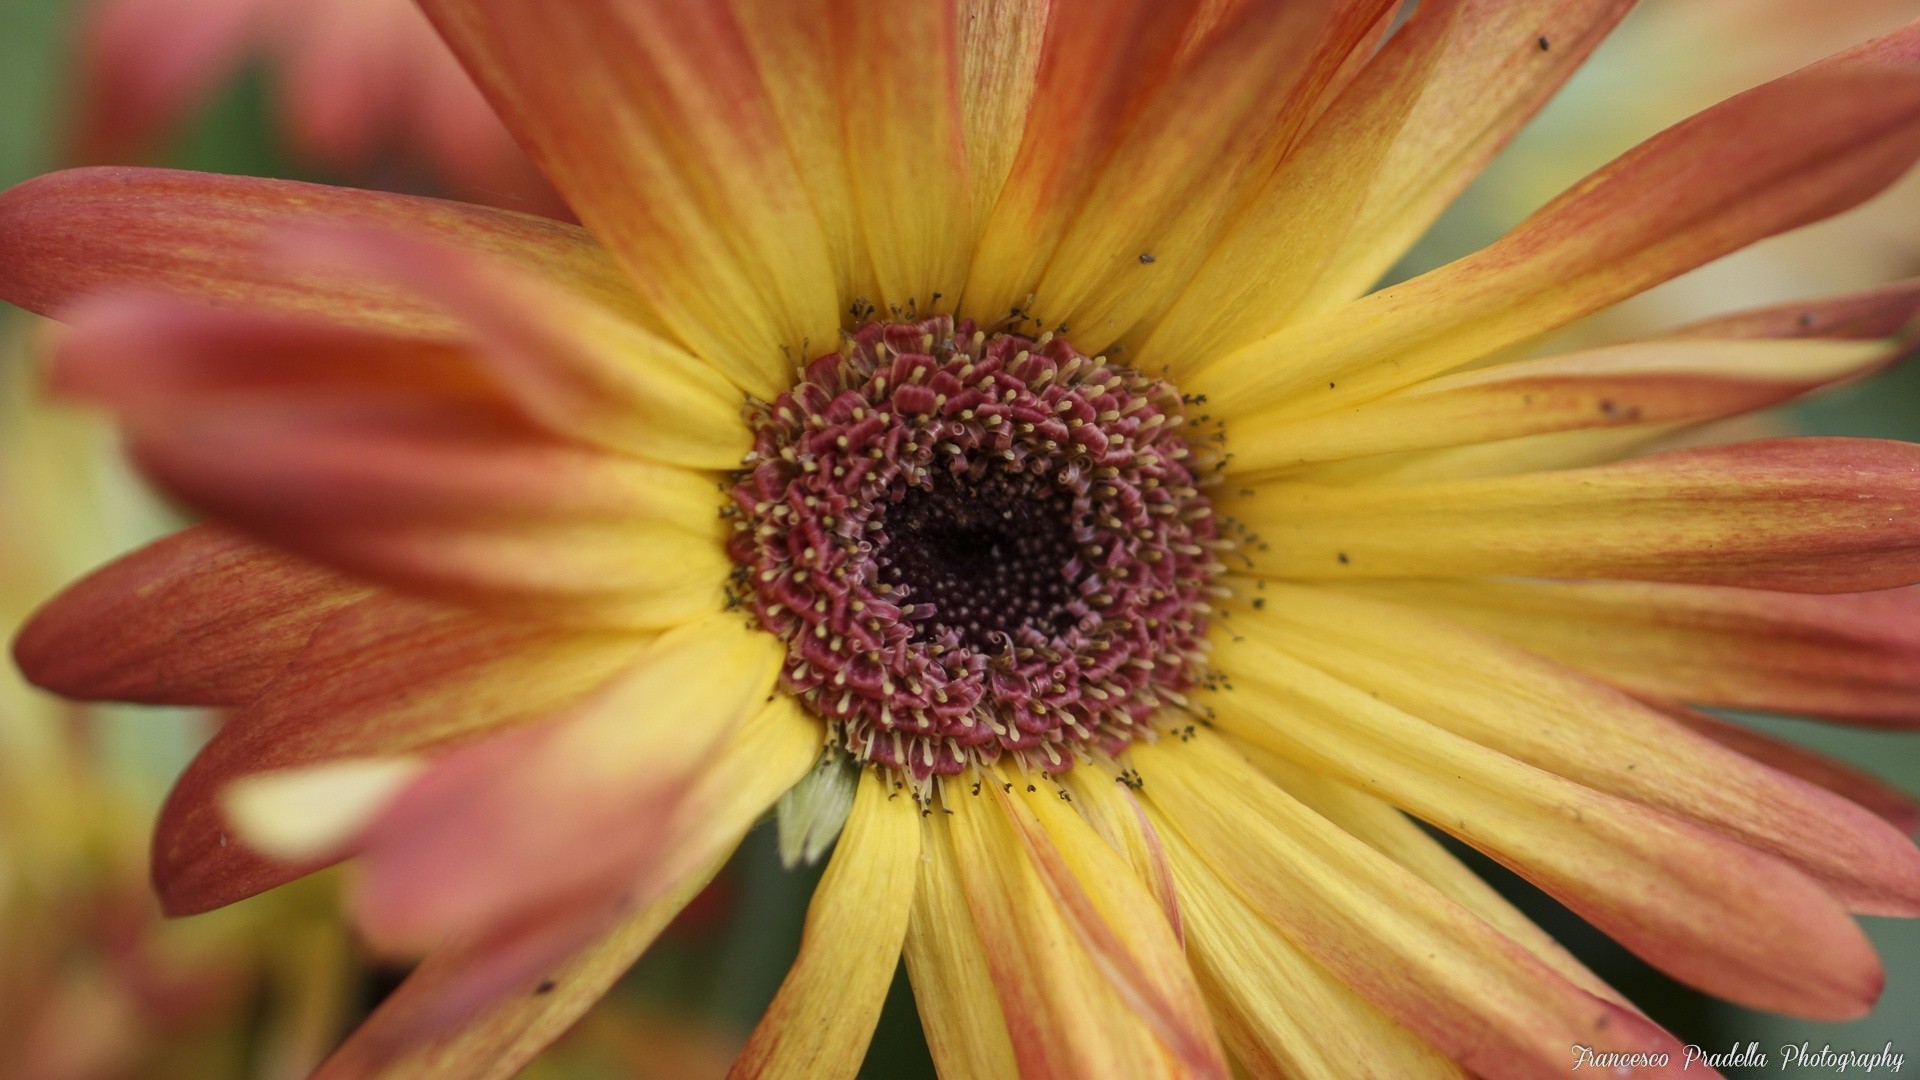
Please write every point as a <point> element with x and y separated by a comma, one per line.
<point>970,426</point>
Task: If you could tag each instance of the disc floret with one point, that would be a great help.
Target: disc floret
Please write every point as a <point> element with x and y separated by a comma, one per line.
<point>975,545</point>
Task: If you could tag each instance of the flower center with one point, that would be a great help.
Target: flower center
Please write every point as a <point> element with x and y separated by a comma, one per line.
<point>975,545</point>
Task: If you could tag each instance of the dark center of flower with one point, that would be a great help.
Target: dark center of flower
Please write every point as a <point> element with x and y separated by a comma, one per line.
<point>982,559</point>
<point>975,545</point>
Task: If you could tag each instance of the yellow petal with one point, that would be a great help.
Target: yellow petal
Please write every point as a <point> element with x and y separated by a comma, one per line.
<point>1063,1015</point>
<point>1378,825</point>
<point>1850,657</point>
<point>653,121</point>
<point>1734,921</point>
<point>1280,1012</point>
<point>1420,958</point>
<point>899,75</point>
<point>1121,927</point>
<point>1121,821</point>
<point>823,1016</point>
<point>1519,704</point>
<point>1657,382</point>
<point>965,1029</point>
<point>1809,515</point>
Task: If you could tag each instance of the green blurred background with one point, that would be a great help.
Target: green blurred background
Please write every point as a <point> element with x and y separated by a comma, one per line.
<point>727,971</point>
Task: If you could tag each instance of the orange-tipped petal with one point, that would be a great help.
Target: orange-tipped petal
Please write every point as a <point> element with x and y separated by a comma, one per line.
<point>451,505</point>
<point>1380,826</point>
<point>1854,658</point>
<point>1064,1015</point>
<point>947,964</point>
<point>536,981</point>
<point>203,617</point>
<point>1171,184</point>
<point>899,69</point>
<point>396,460</point>
<point>201,236</point>
<point>554,811</point>
<point>1519,704</point>
<point>1122,822</point>
<point>794,49</point>
<point>1712,912</point>
<point>822,1018</point>
<point>575,367</point>
<point>1790,152</point>
<point>381,677</point>
<point>1420,120</point>
<point>1281,1013</point>
<point>1448,977</point>
<point>1121,928</point>
<point>1806,515</point>
<point>1899,808</point>
<point>1870,313</point>
<point>653,121</point>
<point>1657,382</point>
<point>1099,61</point>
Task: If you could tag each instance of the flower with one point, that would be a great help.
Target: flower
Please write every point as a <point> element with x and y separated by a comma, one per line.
<point>1001,405</point>
<point>365,88</point>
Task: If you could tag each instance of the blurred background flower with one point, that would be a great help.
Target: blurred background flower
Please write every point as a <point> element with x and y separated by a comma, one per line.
<point>362,89</point>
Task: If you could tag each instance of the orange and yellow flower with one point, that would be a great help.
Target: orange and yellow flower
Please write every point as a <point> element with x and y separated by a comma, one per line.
<point>992,394</point>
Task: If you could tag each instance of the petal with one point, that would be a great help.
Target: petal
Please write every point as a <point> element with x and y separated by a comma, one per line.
<point>1122,926</point>
<point>1281,1013</point>
<point>464,512</point>
<point>1782,155</point>
<point>203,617</point>
<point>558,810</point>
<point>554,972</point>
<point>1853,658</point>
<point>653,121</point>
<point>1380,826</point>
<point>1657,382</point>
<point>1113,812</point>
<point>1171,184</point>
<point>899,84</point>
<point>392,459</point>
<point>1065,1016</point>
<point>1870,313</point>
<point>198,235</point>
<point>384,676</point>
<point>1099,62</point>
<point>1897,807</point>
<point>1000,47</point>
<point>1713,913</point>
<point>1509,700</point>
<point>793,47</point>
<point>947,964</point>
<point>1445,975</point>
<point>823,1016</point>
<point>444,1025</point>
<point>1808,515</point>
<point>1424,117</point>
<point>311,812</point>
<point>575,367</point>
